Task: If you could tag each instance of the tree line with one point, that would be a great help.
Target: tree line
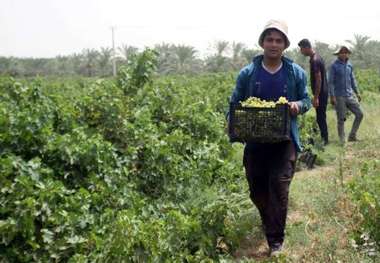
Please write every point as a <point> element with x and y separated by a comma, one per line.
<point>179,59</point>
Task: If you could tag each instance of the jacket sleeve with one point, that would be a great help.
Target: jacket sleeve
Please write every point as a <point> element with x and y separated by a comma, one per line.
<point>240,88</point>
<point>331,80</point>
<point>353,81</point>
<point>303,99</point>
<point>238,93</point>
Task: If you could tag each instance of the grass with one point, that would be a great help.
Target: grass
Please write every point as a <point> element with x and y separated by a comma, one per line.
<point>322,218</point>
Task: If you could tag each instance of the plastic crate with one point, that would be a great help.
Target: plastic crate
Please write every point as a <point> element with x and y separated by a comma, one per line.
<point>261,125</point>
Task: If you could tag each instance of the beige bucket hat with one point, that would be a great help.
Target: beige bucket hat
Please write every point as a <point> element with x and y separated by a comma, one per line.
<point>279,25</point>
<point>341,49</point>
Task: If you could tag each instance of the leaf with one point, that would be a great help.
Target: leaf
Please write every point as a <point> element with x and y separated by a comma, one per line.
<point>47,236</point>
<point>76,240</point>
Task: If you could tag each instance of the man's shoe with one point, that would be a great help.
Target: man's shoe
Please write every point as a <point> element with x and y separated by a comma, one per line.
<point>275,250</point>
<point>352,139</point>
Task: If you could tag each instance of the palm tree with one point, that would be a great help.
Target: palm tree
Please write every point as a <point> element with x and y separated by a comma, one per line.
<point>127,51</point>
<point>221,47</point>
<point>359,48</point>
<point>218,62</point>
<point>76,61</point>
<point>6,65</point>
<point>249,54</point>
<point>373,48</point>
<point>166,58</point>
<point>105,55</point>
<point>62,65</point>
<point>185,55</point>
<point>237,59</point>
<point>90,60</point>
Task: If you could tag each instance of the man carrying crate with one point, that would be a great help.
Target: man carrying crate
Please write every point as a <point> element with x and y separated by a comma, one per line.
<point>270,166</point>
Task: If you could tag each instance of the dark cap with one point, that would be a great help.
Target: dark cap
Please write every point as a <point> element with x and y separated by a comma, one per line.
<point>305,43</point>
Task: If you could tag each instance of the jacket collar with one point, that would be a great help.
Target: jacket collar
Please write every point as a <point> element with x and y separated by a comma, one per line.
<point>338,61</point>
<point>258,59</point>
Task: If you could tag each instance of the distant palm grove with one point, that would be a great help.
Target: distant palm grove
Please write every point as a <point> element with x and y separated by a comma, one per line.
<point>178,59</point>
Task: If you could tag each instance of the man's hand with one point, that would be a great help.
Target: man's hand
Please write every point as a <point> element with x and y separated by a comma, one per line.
<point>294,109</point>
<point>316,102</point>
<point>359,98</point>
<point>333,100</point>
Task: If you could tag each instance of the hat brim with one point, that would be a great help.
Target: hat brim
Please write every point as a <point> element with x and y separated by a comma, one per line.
<point>337,52</point>
<point>261,38</point>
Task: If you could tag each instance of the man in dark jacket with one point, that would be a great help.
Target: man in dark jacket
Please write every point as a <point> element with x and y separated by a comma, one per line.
<point>318,83</point>
<point>270,166</point>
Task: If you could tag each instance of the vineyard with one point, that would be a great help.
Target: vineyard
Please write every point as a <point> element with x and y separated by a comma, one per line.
<point>139,168</point>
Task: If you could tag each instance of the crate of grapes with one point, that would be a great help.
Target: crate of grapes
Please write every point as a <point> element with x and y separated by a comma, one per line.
<point>259,121</point>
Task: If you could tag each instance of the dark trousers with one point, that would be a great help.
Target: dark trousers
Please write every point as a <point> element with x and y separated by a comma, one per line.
<point>321,116</point>
<point>269,170</point>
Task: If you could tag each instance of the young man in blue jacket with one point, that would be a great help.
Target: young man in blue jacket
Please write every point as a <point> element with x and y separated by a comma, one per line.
<point>270,166</point>
<point>344,93</point>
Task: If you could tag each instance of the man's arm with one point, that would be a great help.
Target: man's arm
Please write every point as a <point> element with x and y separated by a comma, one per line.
<point>238,93</point>
<point>331,78</point>
<point>354,84</point>
<point>317,88</point>
<point>240,87</point>
<point>315,68</point>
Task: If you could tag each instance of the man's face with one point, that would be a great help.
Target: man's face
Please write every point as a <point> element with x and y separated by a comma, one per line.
<point>343,55</point>
<point>274,44</point>
<point>305,51</point>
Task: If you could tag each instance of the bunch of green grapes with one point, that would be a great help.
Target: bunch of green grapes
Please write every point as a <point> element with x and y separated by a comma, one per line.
<point>281,100</point>
<point>254,102</point>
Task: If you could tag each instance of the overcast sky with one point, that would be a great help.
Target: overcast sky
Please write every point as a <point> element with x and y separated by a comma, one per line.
<point>47,28</point>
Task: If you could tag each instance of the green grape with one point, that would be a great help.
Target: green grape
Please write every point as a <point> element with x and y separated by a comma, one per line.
<point>254,102</point>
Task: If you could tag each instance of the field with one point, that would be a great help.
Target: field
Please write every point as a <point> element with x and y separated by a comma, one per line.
<point>139,169</point>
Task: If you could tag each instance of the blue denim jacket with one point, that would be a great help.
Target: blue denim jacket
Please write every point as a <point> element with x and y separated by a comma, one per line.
<point>296,89</point>
<point>342,81</point>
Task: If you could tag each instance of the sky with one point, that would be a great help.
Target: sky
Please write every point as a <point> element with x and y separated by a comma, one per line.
<point>48,28</point>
